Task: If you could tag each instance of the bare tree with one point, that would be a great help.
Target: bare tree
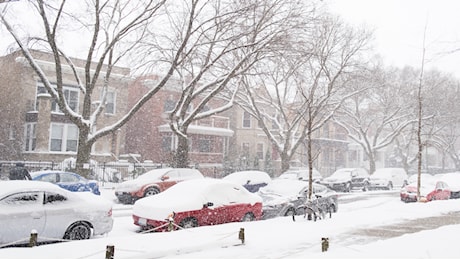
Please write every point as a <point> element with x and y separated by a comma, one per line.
<point>115,29</point>
<point>375,117</point>
<point>299,90</point>
<point>229,37</point>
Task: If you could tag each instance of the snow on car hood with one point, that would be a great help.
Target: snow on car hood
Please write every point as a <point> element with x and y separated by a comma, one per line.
<point>281,191</point>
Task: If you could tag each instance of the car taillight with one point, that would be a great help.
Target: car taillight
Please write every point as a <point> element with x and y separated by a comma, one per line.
<point>109,213</point>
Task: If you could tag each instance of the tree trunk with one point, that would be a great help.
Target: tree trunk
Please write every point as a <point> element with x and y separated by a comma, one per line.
<point>83,153</point>
<point>181,159</point>
<point>285,159</point>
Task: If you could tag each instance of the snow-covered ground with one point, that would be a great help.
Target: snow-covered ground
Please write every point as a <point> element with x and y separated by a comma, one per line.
<point>274,238</point>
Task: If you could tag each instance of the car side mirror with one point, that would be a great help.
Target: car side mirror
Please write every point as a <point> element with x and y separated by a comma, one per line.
<point>164,177</point>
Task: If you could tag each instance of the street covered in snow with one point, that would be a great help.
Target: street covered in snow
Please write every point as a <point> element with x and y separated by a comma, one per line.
<point>372,224</point>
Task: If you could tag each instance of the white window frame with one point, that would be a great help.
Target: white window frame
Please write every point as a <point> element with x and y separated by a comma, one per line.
<point>261,151</point>
<point>246,119</point>
<point>64,137</point>
<point>112,101</point>
<point>30,137</point>
<point>67,91</point>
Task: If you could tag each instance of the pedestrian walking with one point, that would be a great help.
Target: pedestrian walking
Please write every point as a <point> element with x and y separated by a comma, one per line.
<point>20,173</point>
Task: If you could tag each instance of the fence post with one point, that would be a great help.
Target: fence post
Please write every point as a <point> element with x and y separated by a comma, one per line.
<point>33,238</point>
<point>241,235</point>
<point>110,252</point>
<point>324,244</point>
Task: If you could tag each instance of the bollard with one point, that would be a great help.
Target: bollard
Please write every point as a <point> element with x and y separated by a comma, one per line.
<point>109,252</point>
<point>324,244</point>
<point>33,238</point>
<point>241,235</point>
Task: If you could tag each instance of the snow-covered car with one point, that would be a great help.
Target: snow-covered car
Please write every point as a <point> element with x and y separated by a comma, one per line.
<point>347,179</point>
<point>453,180</point>
<point>67,180</point>
<point>283,196</point>
<point>199,202</point>
<point>388,178</point>
<point>430,189</point>
<point>54,213</point>
<point>301,174</point>
<point>153,182</point>
<point>251,180</point>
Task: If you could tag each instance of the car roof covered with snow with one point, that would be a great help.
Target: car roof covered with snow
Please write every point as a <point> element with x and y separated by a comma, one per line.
<point>245,177</point>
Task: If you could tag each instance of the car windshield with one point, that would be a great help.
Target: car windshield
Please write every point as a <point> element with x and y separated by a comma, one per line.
<point>341,173</point>
<point>283,187</point>
<point>153,174</point>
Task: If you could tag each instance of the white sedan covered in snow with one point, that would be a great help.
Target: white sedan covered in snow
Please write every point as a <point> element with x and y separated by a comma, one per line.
<point>52,212</point>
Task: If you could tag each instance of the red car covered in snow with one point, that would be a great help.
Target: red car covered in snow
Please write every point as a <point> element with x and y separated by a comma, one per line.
<point>198,202</point>
<point>430,189</point>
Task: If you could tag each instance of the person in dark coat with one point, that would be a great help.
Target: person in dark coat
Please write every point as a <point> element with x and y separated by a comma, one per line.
<point>20,173</point>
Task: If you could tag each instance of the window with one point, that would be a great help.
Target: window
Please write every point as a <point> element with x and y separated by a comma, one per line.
<point>30,139</point>
<point>110,103</point>
<point>70,94</point>
<point>260,151</point>
<point>246,119</point>
<point>205,144</point>
<point>64,138</point>
<point>54,197</point>
<point>166,143</point>
<point>245,149</point>
<point>169,105</point>
<point>24,199</point>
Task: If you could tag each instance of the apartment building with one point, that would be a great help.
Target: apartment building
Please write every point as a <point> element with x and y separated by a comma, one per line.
<point>150,137</point>
<point>32,126</point>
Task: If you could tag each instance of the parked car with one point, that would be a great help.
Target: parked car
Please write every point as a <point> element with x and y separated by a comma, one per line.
<point>196,203</point>
<point>53,212</point>
<point>153,182</point>
<point>282,197</point>
<point>453,180</point>
<point>301,174</point>
<point>67,180</point>
<point>388,178</point>
<point>430,189</point>
<point>347,179</point>
<point>251,180</point>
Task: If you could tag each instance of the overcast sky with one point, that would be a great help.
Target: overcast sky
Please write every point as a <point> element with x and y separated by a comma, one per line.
<point>399,27</point>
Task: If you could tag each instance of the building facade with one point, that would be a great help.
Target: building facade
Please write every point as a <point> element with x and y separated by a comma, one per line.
<point>33,127</point>
<point>150,137</point>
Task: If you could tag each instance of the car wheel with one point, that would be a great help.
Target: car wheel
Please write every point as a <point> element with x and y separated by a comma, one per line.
<point>348,187</point>
<point>78,231</point>
<point>366,186</point>
<point>290,212</point>
<point>390,186</point>
<point>151,192</point>
<point>248,217</point>
<point>189,223</point>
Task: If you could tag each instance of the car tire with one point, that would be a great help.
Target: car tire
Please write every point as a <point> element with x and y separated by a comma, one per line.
<point>78,231</point>
<point>366,186</point>
<point>390,186</point>
<point>248,217</point>
<point>190,222</point>
<point>290,212</point>
<point>348,187</point>
<point>151,191</point>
